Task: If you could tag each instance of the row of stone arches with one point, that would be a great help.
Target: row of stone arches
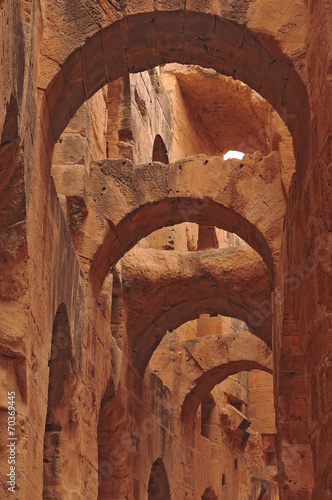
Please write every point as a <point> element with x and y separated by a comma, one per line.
<point>58,448</point>
<point>264,278</point>
<point>200,255</point>
<point>104,257</point>
<point>61,373</point>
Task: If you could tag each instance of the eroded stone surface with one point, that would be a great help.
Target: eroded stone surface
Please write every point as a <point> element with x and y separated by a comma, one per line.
<point>244,197</point>
<point>186,285</point>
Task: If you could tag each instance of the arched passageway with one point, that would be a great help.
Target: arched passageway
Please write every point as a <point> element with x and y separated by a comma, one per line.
<point>172,36</point>
<point>228,355</point>
<point>159,152</point>
<point>141,34</point>
<point>11,168</point>
<point>60,447</point>
<point>158,488</point>
<point>229,282</point>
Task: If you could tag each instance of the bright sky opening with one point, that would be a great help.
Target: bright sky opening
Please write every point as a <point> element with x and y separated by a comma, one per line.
<point>233,154</point>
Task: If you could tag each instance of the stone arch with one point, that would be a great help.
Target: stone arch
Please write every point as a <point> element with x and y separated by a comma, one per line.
<point>158,488</point>
<point>212,359</point>
<point>62,379</point>
<point>244,197</point>
<point>209,494</point>
<point>147,35</point>
<point>230,282</point>
<point>159,152</point>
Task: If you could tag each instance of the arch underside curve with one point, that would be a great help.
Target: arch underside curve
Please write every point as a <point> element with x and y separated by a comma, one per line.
<point>145,36</point>
<point>231,282</point>
<point>244,197</point>
<point>213,358</point>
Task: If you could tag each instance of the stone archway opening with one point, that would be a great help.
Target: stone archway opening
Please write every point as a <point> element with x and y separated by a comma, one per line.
<point>60,445</point>
<point>176,302</point>
<point>11,169</point>
<point>158,488</point>
<point>199,37</point>
<point>13,246</point>
<point>179,193</point>
<point>159,152</point>
<point>209,494</point>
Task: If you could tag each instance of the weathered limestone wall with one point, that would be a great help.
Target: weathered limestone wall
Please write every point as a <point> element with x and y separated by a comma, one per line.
<point>261,403</point>
<point>39,271</point>
<point>20,37</point>
<point>312,301</point>
<point>303,340</point>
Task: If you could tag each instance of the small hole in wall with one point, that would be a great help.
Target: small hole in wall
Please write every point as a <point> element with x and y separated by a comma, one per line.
<point>223,480</point>
<point>235,464</point>
<point>159,152</point>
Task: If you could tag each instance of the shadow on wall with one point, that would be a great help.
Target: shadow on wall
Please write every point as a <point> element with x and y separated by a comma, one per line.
<point>208,417</point>
<point>12,206</point>
<point>58,434</point>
